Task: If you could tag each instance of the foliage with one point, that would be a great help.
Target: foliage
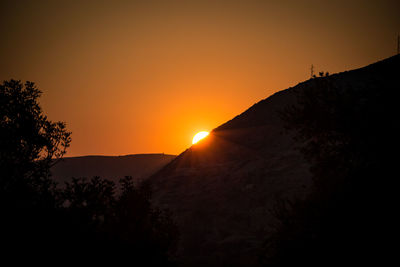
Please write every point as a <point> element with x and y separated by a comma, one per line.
<point>124,223</point>
<point>29,142</point>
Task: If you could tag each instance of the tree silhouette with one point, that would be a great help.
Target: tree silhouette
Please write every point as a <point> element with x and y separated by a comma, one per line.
<point>29,143</point>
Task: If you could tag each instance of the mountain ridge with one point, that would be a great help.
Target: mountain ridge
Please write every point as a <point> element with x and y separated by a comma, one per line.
<point>222,190</point>
<point>139,166</point>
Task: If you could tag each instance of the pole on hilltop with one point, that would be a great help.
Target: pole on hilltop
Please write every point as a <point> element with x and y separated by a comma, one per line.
<point>312,70</point>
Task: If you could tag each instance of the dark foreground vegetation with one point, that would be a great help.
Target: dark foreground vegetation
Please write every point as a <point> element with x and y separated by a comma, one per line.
<point>349,134</point>
<point>86,218</point>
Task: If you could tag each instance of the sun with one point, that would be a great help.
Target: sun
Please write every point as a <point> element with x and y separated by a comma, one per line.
<point>200,135</point>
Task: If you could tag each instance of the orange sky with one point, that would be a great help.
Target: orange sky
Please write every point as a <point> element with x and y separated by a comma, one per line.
<point>145,76</point>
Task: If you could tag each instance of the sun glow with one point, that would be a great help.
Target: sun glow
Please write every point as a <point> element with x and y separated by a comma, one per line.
<point>200,135</point>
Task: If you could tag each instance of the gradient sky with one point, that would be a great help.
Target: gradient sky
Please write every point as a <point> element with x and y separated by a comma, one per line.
<point>145,76</point>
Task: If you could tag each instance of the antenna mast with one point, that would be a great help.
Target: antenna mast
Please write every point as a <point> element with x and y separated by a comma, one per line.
<point>312,69</point>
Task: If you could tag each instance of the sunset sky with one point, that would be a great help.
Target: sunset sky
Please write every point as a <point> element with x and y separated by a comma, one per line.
<point>144,76</point>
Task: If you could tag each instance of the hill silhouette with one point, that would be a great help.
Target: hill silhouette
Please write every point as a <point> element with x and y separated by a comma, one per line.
<point>223,190</point>
<point>139,166</point>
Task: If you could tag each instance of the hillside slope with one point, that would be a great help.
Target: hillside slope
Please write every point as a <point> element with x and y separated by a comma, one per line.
<point>221,190</point>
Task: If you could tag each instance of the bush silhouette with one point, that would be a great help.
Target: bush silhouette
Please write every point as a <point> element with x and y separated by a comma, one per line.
<point>124,224</point>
